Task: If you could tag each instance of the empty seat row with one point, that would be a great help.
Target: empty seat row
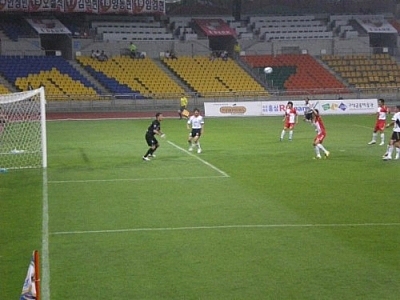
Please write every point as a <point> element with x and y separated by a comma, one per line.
<point>288,25</point>
<point>205,76</point>
<point>296,72</point>
<point>136,36</point>
<point>359,70</point>
<point>121,74</point>
<point>147,30</point>
<point>298,35</point>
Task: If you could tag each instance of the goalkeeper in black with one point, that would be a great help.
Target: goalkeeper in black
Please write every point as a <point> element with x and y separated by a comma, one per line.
<point>153,130</point>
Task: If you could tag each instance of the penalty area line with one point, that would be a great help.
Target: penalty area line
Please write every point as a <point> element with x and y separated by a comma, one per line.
<point>254,226</point>
<point>362,126</point>
<point>200,159</point>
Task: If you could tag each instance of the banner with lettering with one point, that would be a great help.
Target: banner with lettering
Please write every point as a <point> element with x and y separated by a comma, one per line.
<point>115,7</point>
<point>82,6</point>
<point>148,6</point>
<point>46,5</point>
<point>14,5</point>
<point>375,24</point>
<point>215,27</point>
<point>48,26</point>
<point>85,6</point>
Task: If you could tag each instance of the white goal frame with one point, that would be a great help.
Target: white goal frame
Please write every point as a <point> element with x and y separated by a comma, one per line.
<point>23,137</point>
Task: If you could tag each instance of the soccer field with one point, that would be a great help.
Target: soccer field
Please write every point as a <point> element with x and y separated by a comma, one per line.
<point>249,218</point>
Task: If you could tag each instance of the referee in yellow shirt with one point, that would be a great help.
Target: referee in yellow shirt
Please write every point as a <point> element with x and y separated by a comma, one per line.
<point>183,112</point>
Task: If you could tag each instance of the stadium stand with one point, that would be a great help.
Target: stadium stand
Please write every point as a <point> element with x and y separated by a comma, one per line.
<point>4,89</point>
<point>294,72</point>
<point>141,78</point>
<point>55,73</point>
<point>396,24</point>
<point>15,27</point>
<point>209,77</point>
<point>366,71</point>
<point>289,27</point>
<point>131,31</point>
<point>292,30</point>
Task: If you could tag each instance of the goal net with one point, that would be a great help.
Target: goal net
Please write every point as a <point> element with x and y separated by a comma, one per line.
<point>23,130</point>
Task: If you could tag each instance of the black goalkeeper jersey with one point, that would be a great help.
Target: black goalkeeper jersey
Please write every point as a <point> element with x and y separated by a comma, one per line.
<point>155,125</point>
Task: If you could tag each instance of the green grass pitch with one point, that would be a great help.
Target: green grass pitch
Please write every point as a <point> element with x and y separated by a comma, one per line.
<point>249,218</point>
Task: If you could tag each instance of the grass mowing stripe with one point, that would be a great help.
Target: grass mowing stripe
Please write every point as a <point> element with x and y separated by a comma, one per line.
<point>202,160</point>
<point>45,278</point>
<point>227,227</point>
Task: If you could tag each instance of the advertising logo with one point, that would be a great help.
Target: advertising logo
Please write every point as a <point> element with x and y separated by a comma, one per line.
<point>232,110</point>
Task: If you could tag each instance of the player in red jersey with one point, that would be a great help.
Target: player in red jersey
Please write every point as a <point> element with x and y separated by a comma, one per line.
<point>290,119</point>
<point>321,134</point>
<point>380,122</point>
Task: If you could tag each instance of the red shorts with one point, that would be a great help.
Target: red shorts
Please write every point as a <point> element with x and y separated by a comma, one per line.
<point>319,138</point>
<point>289,125</point>
<point>380,125</point>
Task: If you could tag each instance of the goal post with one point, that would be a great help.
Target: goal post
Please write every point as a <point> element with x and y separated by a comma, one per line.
<point>23,141</point>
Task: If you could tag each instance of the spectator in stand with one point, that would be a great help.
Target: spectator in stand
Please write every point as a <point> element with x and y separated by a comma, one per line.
<point>236,50</point>
<point>30,87</point>
<point>95,54</point>
<point>212,56</point>
<point>173,55</point>
<point>102,56</point>
<point>132,49</point>
<point>224,55</point>
<point>170,54</point>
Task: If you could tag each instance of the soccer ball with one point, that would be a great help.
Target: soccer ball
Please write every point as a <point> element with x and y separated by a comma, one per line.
<point>268,70</point>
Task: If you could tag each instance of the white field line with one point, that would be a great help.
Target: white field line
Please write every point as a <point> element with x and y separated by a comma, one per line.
<point>133,179</point>
<point>254,226</point>
<point>202,160</point>
<point>362,126</point>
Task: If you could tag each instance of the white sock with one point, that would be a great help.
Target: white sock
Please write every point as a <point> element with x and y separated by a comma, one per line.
<point>282,133</point>
<point>382,137</point>
<point>317,151</point>
<point>290,134</point>
<point>390,151</point>
<point>374,136</point>
<point>198,145</point>
<point>321,147</point>
<point>387,149</point>
<point>397,151</point>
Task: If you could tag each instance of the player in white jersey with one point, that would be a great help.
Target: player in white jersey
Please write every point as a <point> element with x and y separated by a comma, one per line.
<point>308,110</point>
<point>196,126</point>
<point>395,139</point>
